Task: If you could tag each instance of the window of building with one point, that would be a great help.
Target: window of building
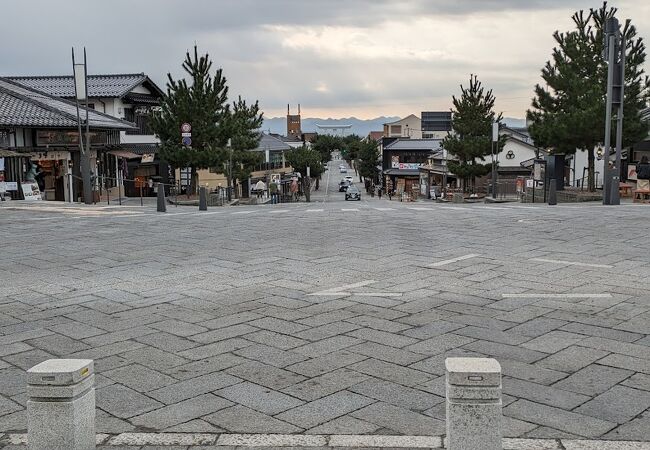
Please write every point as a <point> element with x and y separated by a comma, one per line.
<point>141,116</point>
<point>395,129</point>
<point>4,138</point>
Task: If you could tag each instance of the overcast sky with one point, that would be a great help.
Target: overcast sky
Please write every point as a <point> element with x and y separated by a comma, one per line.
<point>337,58</point>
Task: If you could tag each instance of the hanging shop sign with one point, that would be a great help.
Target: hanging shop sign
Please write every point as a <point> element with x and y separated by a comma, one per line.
<point>409,166</point>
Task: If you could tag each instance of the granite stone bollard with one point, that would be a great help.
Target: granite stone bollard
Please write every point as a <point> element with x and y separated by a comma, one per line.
<point>161,202</point>
<point>203,199</point>
<point>473,404</point>
<point>61,405</point>
<point>552,192</point>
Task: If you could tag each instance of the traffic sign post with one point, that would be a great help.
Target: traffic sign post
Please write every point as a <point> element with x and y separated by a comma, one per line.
<point>186,134</point>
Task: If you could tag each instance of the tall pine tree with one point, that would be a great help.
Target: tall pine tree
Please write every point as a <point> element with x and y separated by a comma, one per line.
<point>242,124</point>
<point>471,140</point>
<point>568,113</point>
<point>201,104</point>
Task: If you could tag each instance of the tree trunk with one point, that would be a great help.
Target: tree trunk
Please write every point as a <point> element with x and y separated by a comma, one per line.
<point>591,169</point>
<point>306,186</point>
<point>317,183</point>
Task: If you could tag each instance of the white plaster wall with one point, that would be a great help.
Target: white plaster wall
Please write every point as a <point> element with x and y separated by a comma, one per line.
<point>411,127</point>
<point>521,151</point>
<point>580,162</point>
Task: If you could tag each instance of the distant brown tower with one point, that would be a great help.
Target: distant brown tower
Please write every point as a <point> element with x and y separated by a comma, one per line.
<point>293,124</point>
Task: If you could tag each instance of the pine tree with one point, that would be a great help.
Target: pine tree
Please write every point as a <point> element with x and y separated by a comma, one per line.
<point>471,140</point>
<point>368,159</point>
<point>242,124</point>
<point>568,113</point>
<point>202,104</point>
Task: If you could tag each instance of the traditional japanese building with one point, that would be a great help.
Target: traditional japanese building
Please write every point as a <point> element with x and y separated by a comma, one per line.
<point>41,133</point>
<point>134,159</point>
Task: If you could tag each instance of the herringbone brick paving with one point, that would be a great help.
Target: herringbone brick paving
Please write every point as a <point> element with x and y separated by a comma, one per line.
<point>205,323</point>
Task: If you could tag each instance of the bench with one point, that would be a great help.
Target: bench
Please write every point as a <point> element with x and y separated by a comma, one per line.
<point>625,189</point>
<point>641,196</point>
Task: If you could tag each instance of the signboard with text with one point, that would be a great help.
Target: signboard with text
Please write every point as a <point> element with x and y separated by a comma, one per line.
<point>31,191</point>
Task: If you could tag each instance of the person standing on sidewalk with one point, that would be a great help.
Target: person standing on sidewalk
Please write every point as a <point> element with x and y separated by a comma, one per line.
<point>643,175</point>
<point>379,192</point>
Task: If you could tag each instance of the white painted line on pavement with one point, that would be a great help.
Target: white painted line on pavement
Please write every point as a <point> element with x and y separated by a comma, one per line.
<point>314,210</point>
<point>350,209</point>
<point>384,209</point>
<point>454,207</point>
<point>413,208</point>
<point>377,294</point>
<point>278,211</point>
<point>571,263</point>
<point>338,290</point>
<point>568,295</point>
<point>453,260</point>
<point>243,212</point>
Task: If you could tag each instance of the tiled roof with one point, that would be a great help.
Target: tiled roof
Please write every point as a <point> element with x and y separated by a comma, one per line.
<point>116,85</point>
<point>271,143</point>
<point>25,107</point>
<point>139,149</point>
<point>414,144</point>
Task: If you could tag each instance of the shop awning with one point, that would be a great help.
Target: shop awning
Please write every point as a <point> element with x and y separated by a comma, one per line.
<point>8,154</point>
<point>402,172</point>
<point>124,154</point>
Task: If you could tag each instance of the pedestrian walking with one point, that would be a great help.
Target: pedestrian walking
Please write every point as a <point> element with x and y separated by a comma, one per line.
<point>379,192</point>
<point>294,190</point>
<point>390,194</point>
<point>372,190</point>
<point>643,175</point>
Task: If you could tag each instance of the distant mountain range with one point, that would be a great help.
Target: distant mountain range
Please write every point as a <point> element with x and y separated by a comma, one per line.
<point>278,125</point>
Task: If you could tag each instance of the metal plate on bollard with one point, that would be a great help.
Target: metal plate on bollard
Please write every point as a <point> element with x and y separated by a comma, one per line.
<point>60,372</point>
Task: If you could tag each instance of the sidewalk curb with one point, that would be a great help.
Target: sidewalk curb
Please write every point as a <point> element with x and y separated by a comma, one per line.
<point>333,440</point>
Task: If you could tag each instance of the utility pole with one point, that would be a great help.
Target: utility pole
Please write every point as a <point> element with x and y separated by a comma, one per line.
<point>230,181</point>
<point>81,94</point>
<point>615,53</point>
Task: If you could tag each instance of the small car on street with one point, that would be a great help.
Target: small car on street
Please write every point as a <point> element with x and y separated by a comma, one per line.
<point>352,193</point>
<point>343,185</point>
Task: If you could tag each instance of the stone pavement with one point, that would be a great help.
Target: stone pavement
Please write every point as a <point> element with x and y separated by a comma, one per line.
<point>333,317</point>
<point>226,441</point>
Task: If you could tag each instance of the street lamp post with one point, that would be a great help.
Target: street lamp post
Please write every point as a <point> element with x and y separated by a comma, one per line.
<point>495,140</point>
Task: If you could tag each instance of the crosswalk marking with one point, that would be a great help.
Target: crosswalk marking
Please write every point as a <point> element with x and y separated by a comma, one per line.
<point>278,211</point>
<point>314,210</point>
<point>349,209</point>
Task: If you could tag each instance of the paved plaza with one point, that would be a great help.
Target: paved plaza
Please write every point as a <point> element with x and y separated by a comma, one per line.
<point>332,317</point>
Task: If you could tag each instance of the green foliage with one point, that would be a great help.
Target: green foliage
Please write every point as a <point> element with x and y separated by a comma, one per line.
<point>303,157</point>
<point>471,141</point>
<point>202,104</point>
<point>325,145</point>
<point>368,157</point>
<point>352,146</point>
<point>242,123</point>
<point>568,112</point>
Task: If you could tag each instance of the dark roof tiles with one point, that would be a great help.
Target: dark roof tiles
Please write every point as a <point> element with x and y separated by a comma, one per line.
<point>114,85</point>
<point>25,107</point>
